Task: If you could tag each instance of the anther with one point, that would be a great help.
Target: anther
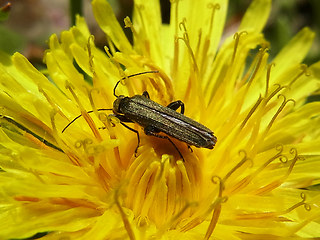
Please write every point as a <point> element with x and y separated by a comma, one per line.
<point>128,24</point>
<point>106,49</point>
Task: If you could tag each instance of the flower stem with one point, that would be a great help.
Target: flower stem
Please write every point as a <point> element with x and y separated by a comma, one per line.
<point>75,9</point>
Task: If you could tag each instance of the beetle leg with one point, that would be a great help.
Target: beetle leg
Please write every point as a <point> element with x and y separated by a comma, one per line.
<point>176,104</point>
<point>189,147</point>
<point>138,136</point>
<point>153,132</point>
<point>146,94</point>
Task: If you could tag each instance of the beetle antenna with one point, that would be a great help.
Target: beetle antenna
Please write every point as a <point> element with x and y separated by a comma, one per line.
<point>73,120</point>
<point>130,76</point>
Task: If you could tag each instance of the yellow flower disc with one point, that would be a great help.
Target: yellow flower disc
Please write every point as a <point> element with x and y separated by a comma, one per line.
<point>69,168</point>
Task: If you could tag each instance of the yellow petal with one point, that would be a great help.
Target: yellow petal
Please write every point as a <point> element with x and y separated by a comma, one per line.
<point>147,26</point>
<point>109,24</point>
<point>294,52</point>
<point>256,16</point>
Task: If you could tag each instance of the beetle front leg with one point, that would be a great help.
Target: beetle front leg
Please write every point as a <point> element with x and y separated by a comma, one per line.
<point>124,119</point>
<point>175,105</point>
<point>138,136</point>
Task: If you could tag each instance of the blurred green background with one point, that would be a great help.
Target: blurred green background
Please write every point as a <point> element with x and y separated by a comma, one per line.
<point>27,24</point>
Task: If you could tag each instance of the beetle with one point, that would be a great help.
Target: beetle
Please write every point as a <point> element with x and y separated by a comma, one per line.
<point>155,118</point>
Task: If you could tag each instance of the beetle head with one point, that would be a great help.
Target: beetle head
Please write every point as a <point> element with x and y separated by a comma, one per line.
<point>116,104</point>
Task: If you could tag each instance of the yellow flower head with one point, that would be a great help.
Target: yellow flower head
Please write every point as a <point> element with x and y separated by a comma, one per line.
<point>84,181</point>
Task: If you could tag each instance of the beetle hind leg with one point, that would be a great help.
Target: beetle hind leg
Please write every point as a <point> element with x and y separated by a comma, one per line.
<point>146,94</point>
<point>190,148</point>
<point>152,131</point>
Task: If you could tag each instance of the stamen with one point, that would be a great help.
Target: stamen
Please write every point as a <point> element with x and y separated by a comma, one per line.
<point>110,121</point>
<point>266,215</point>
<point>215,207</point>
<point>177,216</point>
<point>296,157</point>
<point>112,48</point>
<point>140,8</point>
<point>113,120</point>
<point>85,114</point>
<point>217,180</point>
<point>304,70</point>
<point>258,60</point>
<point>90,91</point>
<point>84,144</point>
<point>197,51</point>
<point>175,67</point>
<point>185,39</point>
<point>243,160</point>
<point>128,24</point>
<point>106,49</point>
<point>279,156</point>
<point>163,76</point>
<point>303,203</point>
<point>252,110</point>
<point>176,4</point>
<point>74,160</point>
<point>279,181</point>
<point>194,75</point>
<point>284,103</point>
<point>246,180</point>
<point>192,224</point>
<point>54,106</point>
<point>236,37</point>
<point>239,104</point>
<point>204,54</point>
<point>91,64</point>
<point>268,77</point>
<point>213,222</point>
<point>214,7</point>
<point>125,220</point>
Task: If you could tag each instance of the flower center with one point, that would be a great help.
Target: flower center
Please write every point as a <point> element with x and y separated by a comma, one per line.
<point>159,188</point>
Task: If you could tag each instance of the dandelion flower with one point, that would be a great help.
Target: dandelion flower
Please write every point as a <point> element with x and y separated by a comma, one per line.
<point>86,183</point>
